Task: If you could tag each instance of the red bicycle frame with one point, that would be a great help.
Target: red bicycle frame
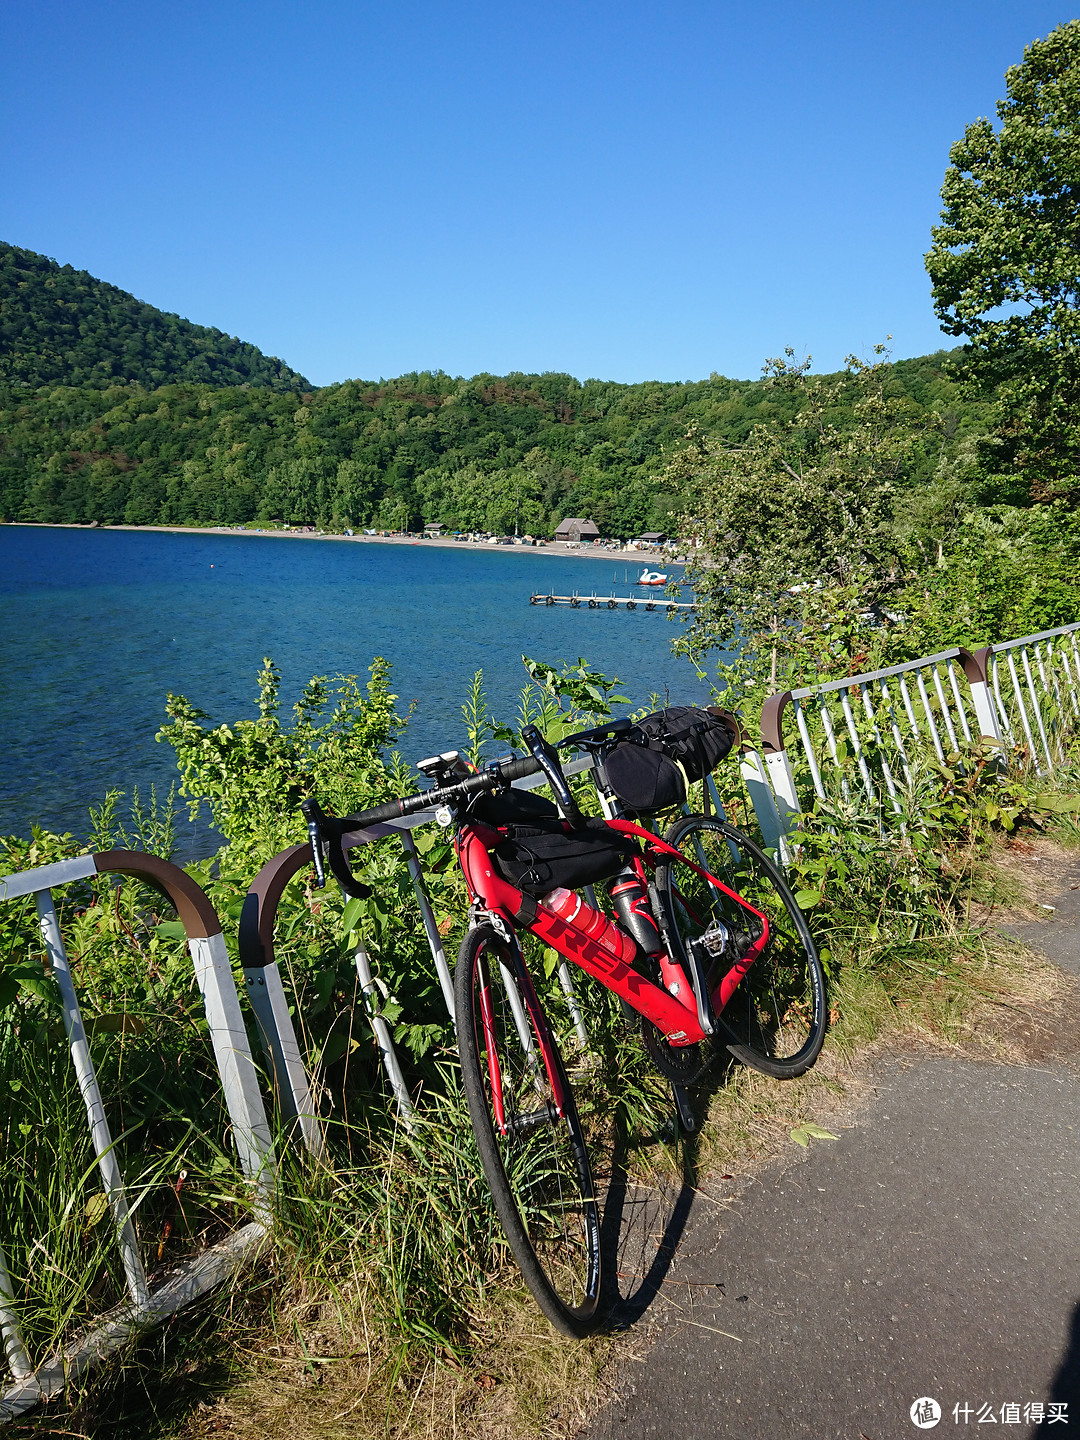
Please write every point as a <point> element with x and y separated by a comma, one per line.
<point>675,1017</point>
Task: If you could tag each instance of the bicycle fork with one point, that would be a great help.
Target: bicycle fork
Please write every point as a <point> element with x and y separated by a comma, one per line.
<point>521,998</point>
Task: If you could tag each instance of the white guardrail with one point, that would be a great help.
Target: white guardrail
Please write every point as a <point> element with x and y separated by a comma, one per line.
<point>144,1306</point>
<point>861,738</point>
<point>240,1080</point>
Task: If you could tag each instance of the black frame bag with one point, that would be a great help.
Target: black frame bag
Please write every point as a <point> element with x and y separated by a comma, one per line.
<point>513,807</point>
<point>539,857</point>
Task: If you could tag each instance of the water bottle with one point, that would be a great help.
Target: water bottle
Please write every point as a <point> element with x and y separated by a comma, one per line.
<point>631,900</point>
<point>597,926</point>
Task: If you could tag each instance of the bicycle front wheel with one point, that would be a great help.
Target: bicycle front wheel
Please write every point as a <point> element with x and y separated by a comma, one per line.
<point>535,1158</point>
<point>774,1020</point>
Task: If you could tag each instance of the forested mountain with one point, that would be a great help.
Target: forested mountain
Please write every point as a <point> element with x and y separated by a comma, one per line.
<point>484,453</point>
<point>60,326</point>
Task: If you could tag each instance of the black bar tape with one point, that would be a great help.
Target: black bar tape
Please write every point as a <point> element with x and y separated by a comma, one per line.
<point>392,810</point>
<point>517,769</point>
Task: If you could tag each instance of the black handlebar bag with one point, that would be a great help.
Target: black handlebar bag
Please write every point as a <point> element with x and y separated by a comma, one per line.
<point>539,857</point>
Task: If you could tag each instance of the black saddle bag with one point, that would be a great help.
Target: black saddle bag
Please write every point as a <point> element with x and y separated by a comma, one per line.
<point>648,771</point>
<point>697,739</point>
<point>540,856</point>
<point>646,781</point>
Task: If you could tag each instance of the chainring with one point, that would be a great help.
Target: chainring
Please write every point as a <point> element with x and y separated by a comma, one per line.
<point>681,1064</point>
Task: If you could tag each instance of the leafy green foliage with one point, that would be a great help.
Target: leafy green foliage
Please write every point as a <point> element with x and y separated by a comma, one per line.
<point>489,452</point>
<point>587,693</point>
<point>856,536</point>
<point>60,326</point>
<point>254,774</point>
<point>793,524</point>
<point>1004,262</point>
<point>901,871</point>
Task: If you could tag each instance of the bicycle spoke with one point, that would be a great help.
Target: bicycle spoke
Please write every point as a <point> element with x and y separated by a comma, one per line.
<point>775,1016</point>
<point>534,1158</point>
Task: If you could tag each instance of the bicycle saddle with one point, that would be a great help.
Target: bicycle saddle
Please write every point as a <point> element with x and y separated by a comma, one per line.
<point>598,738</point>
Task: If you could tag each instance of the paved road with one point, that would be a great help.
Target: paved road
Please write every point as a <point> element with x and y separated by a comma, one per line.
<point>933,1250</point>
<point>1058,934</point>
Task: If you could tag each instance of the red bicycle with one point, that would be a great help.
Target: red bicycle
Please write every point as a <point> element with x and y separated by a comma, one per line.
<point>706,943</point>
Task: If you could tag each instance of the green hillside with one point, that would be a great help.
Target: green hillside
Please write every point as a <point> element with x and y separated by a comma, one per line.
<point>60,326</point>
<point>484,453</point>
<point>111,410</point>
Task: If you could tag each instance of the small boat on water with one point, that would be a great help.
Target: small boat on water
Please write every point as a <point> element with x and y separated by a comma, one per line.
<point>652,577</point>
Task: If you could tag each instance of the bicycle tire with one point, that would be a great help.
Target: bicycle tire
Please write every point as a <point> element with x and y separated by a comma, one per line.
<point>775,1019</point>
<point>538,1172</point>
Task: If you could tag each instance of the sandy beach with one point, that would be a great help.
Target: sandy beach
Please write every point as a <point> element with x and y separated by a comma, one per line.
<point>651,557</point>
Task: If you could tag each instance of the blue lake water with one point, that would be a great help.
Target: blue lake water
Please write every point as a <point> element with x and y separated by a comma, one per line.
<point>97,625</point>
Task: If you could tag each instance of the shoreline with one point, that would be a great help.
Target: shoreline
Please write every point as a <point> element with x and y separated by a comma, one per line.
<point>553,547</point>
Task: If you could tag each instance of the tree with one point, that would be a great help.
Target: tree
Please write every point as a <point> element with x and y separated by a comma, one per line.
<point>791,528</point>
<point>1005,262</point>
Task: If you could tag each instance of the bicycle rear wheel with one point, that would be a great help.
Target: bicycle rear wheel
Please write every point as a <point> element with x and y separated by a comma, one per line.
<point>775,1019</point>
<point>536,1160</point>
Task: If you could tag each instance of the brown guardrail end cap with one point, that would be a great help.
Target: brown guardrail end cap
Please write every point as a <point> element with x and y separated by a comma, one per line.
<point>193,905</point>
<point>976,665</point>
<point>772,722</point>
<point>256,933</point>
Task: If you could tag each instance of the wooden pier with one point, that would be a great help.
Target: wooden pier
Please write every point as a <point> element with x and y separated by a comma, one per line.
<point>612,602</point>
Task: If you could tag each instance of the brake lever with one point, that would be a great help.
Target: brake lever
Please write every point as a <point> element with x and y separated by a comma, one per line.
<point>311,812</point>
<point>548,761</point>
<point>335,852</point>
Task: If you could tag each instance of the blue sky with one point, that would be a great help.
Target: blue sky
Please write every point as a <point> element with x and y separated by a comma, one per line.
<point>627,191</point>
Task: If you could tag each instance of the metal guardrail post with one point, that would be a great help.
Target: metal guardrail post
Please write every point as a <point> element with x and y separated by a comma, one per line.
<point>383,1039</point>
<point>251,1134</point>
<point>431,929</point>
<point>17,1358</point>
<point>772,824</point>
<point>292,1086</point>
<point>976,668</point>
<point>777,763</point>
<point>213,974</point>
<point>90,1091</point>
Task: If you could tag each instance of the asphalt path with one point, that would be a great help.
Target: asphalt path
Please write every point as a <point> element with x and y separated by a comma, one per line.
<point>931,1253</point>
